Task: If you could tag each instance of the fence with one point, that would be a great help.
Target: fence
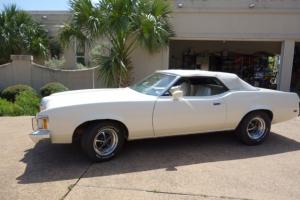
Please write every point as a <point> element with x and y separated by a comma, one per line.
<point>22,70</point>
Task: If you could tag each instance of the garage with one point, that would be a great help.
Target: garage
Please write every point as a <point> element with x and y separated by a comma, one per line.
<point>256,62</point>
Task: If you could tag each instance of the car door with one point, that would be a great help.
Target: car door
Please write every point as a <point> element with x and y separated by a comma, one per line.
<point>195,112</point>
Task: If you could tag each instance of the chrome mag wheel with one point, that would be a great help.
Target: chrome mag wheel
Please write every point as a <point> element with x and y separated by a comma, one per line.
<point>105,141</point>
<point>256,128</point>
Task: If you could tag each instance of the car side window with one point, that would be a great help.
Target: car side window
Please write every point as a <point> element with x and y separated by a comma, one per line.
<point>184,84</point>
<point>201,86</point>
<point>206,86</point>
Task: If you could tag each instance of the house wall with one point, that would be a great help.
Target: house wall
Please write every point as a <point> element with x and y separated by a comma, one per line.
<point>145,63</point>
<point>237,4</point>
<point>236,25</point>
<point>52,22</point>
<point>234,20</point>
<point>22,70</point>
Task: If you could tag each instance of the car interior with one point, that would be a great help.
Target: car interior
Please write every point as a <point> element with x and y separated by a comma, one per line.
<point>201,86</point>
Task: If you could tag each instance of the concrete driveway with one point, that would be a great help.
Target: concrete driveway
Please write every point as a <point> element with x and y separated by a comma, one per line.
<point>208,166</point>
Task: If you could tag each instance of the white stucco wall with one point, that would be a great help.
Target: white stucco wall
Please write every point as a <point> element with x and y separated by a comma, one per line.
<point>145,63</point>
<point>22,70</point>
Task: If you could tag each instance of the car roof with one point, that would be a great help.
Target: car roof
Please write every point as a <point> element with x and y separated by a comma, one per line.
<point>232,81</point>
<point>189,73</point>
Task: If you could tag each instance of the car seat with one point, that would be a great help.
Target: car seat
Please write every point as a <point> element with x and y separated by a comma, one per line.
<point>201,90</point>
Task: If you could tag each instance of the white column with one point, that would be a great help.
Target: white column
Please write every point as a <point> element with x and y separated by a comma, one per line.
<point>286,66</point>
<point>70,56</point>
<point>22,69</point>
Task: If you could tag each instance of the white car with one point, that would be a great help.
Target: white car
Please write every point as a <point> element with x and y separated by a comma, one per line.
<point>166,103</point>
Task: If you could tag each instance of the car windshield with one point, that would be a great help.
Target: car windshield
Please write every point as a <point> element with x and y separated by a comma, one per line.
<point>154,84</point>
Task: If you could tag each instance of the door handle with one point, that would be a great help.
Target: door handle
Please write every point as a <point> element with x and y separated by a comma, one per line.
<point>216,103</point>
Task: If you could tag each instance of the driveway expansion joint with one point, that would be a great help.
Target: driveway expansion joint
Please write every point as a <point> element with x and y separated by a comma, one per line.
<point>163,192</point>
<point>70,188</point>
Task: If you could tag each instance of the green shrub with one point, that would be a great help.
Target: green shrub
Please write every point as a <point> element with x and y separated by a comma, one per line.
<point>55,63</point>
<point>9,109</point>
<point>11,92</point>
<point>51,88</point>
<point>29,102</point>
<point>81,66</point>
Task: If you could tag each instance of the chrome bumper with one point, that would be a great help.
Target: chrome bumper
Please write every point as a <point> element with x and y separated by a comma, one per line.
<point>39,135</point>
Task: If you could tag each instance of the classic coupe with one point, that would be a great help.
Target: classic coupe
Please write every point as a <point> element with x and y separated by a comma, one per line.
<point>166,103</point>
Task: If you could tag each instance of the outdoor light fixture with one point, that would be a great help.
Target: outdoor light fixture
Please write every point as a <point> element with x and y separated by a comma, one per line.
<point>179,4</point>
<point>252,5</point>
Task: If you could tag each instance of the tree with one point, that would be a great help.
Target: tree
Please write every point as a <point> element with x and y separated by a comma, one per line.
<point>20,34</point>
<point>125,24</point>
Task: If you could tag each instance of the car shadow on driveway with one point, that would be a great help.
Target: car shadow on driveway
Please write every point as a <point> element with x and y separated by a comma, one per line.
<point>48,162</point>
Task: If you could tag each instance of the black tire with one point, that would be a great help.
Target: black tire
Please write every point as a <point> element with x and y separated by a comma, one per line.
<point>248,137</point>
<point>88,139</point>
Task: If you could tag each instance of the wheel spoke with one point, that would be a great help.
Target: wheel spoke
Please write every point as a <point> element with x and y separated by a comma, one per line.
<point>102,141</point>
<point>103,134</point>
<point>108,139</point>
<point>251,128</point>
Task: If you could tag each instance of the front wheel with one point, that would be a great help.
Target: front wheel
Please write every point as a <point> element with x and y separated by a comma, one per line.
<point>254,128</point>
<point>103,141</point>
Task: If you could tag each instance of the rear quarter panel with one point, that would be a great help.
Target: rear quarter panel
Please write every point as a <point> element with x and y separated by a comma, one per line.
<point>283,105</point>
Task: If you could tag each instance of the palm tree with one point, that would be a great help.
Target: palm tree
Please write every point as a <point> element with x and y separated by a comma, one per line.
<point>125,24</point>
<point>20,34</point>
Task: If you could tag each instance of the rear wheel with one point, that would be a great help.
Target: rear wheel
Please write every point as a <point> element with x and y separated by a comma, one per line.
<point>103,141</point>
<point>255,128</point>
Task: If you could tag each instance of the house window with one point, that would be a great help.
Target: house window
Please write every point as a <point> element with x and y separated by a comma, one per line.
<point>80,52</point>
<point>80,57</point>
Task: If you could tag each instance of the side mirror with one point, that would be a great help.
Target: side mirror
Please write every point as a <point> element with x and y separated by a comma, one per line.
<point>177,95</point>
<point>176,92</point>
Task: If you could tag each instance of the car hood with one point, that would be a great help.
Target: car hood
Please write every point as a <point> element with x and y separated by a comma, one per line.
<point>93,96</point>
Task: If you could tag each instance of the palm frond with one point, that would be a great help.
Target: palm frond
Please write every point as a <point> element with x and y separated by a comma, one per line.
<point>152,24</point>
<point>20,34</point>
<point>125,23</point>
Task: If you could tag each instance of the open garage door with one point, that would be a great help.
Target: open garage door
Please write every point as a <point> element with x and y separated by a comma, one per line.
<point>255,62</point>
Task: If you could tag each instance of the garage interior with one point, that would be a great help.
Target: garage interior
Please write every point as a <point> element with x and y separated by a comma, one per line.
<point>295,81</point>
<point>254,61</point>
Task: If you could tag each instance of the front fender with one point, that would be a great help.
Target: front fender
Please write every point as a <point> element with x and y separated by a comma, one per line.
<point>64,121</point>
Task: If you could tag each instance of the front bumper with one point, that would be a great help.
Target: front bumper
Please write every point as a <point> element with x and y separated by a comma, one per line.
<point>39,135</point>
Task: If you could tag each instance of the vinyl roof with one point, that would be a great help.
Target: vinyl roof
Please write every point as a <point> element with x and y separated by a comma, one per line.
<point>232,81</point>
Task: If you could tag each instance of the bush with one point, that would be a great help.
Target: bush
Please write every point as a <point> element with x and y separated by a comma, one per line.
<point>29,102</point>
<point>9,109</point>
<point>51,88</point>
<point>10,93</point>
<point>55,63</point>
<point>81,66</point>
